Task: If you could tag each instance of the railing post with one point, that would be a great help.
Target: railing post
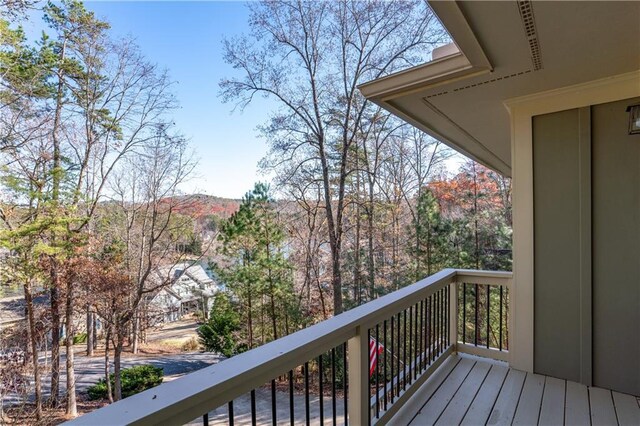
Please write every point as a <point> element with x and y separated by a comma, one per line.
<point>358,372</point>
<point>453,315</point>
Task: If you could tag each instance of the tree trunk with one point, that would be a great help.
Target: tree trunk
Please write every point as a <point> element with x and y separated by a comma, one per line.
<point>371,260</point>
<point>55,342</point>
<point>334,226</point>
<point>272,302</point>
<point>34,349</point>
<point>90,331</point>
<point>395,242</point>
<point>55,194</point>
<point>72,409</point>
<point>336,280</point>
<point>117,356</point>
<point>357,279</point>
<point>249,317</point>
<point>136,333</point>
<point>106,365</point>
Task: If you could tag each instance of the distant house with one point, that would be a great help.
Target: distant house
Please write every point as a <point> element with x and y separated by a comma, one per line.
<point>191,289</point>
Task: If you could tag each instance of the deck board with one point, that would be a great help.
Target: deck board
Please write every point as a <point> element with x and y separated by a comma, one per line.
<point>602,409</point>
<point>426,391</point>
<point>528,409</point>
<point>430,412</point>
<point>455,411</point>
<point>577,405</point>
<point>505,407</point>
<point>627,409</point>
<point>482,404</point>
<point>552,410</point>
<point>469,390</point>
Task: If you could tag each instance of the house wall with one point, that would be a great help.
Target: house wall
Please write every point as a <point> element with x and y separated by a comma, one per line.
<point>586,191</point>
<point>557,249</point>
<point>616,248</point>
<point>522,110</point>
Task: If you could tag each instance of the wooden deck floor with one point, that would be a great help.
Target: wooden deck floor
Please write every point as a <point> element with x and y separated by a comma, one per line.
<point>474,391</point>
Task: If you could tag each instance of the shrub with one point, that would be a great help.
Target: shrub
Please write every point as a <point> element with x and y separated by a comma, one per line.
<point>134,380</point>
<point>80,338</point>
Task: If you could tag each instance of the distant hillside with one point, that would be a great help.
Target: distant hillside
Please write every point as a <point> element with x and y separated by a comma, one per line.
<point>199,206</point>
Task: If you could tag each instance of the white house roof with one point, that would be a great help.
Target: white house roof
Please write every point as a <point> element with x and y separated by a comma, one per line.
<point>508,50</point>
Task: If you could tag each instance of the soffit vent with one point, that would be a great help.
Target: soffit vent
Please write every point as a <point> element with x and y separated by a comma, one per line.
<point>480,83</point>
<point>437,94</point>
<point>529,22</point>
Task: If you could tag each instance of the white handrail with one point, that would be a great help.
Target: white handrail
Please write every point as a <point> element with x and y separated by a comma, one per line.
<point>188,397</point>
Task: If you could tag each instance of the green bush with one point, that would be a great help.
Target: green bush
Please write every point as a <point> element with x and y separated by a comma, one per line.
<point>134,380</point>
<point>80,338</point>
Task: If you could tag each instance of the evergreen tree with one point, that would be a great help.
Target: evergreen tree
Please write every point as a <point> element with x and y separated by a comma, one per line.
<point>259,273</point>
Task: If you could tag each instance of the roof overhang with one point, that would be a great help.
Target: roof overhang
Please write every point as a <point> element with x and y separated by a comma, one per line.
<point>507,50</point>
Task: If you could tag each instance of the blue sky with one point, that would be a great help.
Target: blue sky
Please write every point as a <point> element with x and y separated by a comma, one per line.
<point>186,38</point>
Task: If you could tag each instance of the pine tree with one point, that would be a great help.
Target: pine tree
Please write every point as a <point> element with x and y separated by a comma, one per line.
<point>259,273</point>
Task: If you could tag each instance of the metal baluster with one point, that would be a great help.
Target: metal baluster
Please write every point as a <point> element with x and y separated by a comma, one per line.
<point>464,313</point>
<point>488,312</point>
<point>425,361</point>
<point>399,351</point>
<point>205,419</point>
<point>321,390</point>
<point>421,357</point>
<point>442,318</point>
<point>433,328</point>
<point>344,382</point>
<point>306,393</point>
<point>429,329</point>
<point>230,407</point>
<point>414,359</point>
<point>291,402</point>
<point>441,339</point>
<point>438,323</point>
<point>448,316</point>
<point>404,350</point>
<point>410,341</point>
<point>384,356</point>
<point>377,370</point>
<point>475,316</point>
<point>253,407</point>
<point>392,354</point>
<point>274,410</point>
<point>500,342</point>
<point>333,385</point>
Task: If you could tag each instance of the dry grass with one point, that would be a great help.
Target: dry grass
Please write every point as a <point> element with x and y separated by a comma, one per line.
<point>25,416</point>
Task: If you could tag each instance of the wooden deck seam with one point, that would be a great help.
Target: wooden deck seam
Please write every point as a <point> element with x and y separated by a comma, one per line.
<point>456,392</point>
<point>435,391</point>
<point>498,396</point>
<point>615,410</point>
<point>477,392</point>
<point>519,396</point>
<point>564,409</point>
<point>589,402</point>
<point>544,385</point>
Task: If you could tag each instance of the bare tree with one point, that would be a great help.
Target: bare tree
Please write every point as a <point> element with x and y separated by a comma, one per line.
<point>146,198</point>
<point>310,57</point>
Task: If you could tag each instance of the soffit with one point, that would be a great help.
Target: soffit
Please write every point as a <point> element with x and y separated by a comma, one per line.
<point>578,42</point>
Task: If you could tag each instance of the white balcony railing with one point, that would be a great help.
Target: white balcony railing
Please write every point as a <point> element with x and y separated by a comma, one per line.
<point>416,328</point>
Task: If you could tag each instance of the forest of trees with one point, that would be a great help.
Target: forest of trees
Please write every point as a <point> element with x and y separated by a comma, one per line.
<point>91,165</point>
<point>370,203</point>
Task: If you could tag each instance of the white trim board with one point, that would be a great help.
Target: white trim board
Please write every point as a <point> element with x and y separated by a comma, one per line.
<point>522,110</point>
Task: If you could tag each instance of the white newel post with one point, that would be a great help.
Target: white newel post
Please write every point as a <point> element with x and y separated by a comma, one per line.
<point>358,370</point>
<point>453,315</point>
